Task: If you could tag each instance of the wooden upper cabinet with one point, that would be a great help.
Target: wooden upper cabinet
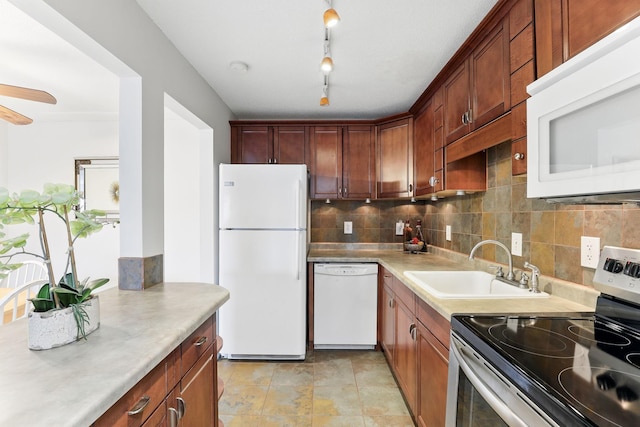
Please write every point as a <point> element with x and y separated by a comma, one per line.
<point>269,144</point>
<point>251,144</point>
<point>477,91</point>
<point>424,151</point>
<point>491,77</point>
<point>565,28</point>
<point>358,162</point>
<point>325,161</point>
<point>456,103</point>
<point>342,162</point>
<point>395,159</point>
<point>289,145</point>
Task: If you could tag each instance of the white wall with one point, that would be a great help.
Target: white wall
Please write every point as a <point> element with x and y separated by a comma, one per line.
<point>182,201</point>
<point>125,32</point>
<point>4,156</point>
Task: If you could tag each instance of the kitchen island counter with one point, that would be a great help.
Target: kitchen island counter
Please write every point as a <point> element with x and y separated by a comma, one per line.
<point>565,296</point>
<point>73,385</point>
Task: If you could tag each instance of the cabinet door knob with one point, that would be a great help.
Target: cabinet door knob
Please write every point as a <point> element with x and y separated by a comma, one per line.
<point>518,156</point>
<point>433,181</point>
<point>275,161</point>
<point>413,331</point>
<point>410,188</point>
<point>464,118</point>
<point>139,407</point>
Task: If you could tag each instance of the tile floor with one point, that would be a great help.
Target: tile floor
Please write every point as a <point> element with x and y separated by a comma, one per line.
<point>330,388</point>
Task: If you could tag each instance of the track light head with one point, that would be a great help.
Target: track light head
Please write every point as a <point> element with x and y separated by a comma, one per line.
<point>331,17</point>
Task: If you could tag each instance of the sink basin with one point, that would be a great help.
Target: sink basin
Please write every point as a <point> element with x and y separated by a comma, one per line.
<point>467,285</point>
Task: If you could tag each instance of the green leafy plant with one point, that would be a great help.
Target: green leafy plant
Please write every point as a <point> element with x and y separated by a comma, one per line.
<point>30,207</point>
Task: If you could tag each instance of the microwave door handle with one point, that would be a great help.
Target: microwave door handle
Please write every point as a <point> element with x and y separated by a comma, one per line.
<point>494,401</point>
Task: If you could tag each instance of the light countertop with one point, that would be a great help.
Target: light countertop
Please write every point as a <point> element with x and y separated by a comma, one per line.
<point>73,385</point>
<point>564,296</point>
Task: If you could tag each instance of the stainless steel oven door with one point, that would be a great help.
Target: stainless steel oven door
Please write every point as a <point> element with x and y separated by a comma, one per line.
<point>478,395</point>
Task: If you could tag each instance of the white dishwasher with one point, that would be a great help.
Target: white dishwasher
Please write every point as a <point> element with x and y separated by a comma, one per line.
<point>345,306</point>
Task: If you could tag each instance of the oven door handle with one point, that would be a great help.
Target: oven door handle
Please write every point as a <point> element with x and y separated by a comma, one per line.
<point>494,401</point>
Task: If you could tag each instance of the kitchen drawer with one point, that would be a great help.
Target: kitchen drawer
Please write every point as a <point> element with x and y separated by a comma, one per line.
<point>142,399</point>
<point>196,345</point>
<point>404,294</point>
<point>432,320</point>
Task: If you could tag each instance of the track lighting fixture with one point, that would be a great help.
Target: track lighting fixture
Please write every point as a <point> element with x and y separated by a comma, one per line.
<point>330,16</point>
<point>327,63</point>
<point>324,100</point>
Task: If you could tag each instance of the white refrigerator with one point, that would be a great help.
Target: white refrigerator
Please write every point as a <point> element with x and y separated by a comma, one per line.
<point>263,250</point>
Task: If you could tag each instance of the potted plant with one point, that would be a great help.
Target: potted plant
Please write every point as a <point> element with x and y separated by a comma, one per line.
<point>64,310</point>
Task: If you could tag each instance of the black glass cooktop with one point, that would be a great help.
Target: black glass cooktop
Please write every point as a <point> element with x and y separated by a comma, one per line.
<point>577,366</point>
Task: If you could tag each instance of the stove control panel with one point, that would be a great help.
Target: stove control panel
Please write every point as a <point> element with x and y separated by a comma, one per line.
<point>618,273</point>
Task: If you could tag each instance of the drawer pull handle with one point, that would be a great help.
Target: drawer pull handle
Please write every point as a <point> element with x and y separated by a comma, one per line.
<point>142,403</point>
<point>200,341</point>
<point>182,407</point>
<point>173,414</point>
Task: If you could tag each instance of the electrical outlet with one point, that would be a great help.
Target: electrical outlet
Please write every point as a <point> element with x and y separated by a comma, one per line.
<point>516,244</point>
<point>447,233</point>
<point>399,228</point>
<point>348,227</point>
<point>589,251</point>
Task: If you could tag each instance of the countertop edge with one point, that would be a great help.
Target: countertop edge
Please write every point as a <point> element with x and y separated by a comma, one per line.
<point>138,329</point>
<point>398,261</point>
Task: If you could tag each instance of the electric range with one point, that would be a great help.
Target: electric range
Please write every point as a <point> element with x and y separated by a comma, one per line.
<point>572,368</point>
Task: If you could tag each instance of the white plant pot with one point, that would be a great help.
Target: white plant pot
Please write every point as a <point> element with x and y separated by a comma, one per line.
<point>56,328</point>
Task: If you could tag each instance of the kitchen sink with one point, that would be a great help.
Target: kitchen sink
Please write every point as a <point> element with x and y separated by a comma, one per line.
<point>468,285</point>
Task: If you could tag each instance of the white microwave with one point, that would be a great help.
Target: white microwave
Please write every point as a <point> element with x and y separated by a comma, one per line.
<point>583,125</point>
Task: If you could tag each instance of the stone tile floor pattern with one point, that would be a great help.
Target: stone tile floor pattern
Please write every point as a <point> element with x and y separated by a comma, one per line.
<point>330,388</point>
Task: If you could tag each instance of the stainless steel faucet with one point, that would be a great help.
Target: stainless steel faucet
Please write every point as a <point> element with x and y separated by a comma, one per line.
<point>535,273</point>
<point>510,275</point>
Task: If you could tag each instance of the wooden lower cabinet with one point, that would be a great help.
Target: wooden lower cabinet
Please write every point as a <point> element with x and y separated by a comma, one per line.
<point>406,355</point>
<point>179,391</point>
<point>415,339</point>
<point>432,379</point>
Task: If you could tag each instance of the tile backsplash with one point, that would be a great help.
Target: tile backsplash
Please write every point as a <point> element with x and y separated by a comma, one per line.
<point>550,233</point>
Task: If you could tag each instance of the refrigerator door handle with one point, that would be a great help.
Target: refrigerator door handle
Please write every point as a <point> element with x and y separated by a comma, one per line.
<point>298,260</point>
<point>298,202</point>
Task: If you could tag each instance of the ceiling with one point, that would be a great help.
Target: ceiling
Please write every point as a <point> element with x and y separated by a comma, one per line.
<point>385,54</point>
<point>34,57</point>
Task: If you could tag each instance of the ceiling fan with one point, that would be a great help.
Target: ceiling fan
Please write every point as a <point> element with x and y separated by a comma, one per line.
<point>22,93</point>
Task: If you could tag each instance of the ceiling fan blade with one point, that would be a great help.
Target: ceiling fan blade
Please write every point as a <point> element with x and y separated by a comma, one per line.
<point>13,117</point>
<point>26,93</point>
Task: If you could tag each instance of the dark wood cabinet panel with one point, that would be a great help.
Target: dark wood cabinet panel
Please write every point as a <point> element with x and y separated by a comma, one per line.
<point>491,77</point>
<point>519,81</point>
<point>395,159</point>
<point>520,16</point>
<point>358,169</point>
<point>424,151</point>
<point>521,50</point>
<point>456,103</point>
<point>326,161</point>
<point>519,157</point>
<point>268,144</point>
<point>478,90</point>
<point>405,355</point>
<point>289,145</point>
<point>565,28</point>
<point>433,376</point>
<point>198,393</point>
<point>254,144</point>
<point>342,162</point>
<point>387,323</point>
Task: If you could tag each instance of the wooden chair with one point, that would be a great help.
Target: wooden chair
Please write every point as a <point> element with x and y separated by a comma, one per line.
<point>15,305</point>
<point>28,272</point>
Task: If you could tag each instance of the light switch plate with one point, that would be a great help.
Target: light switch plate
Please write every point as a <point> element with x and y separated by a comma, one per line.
<point>589,251</point>
<point>447,233</point>
<point>516,244</point>
<point>348,227</point>
<point>399,228</point>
